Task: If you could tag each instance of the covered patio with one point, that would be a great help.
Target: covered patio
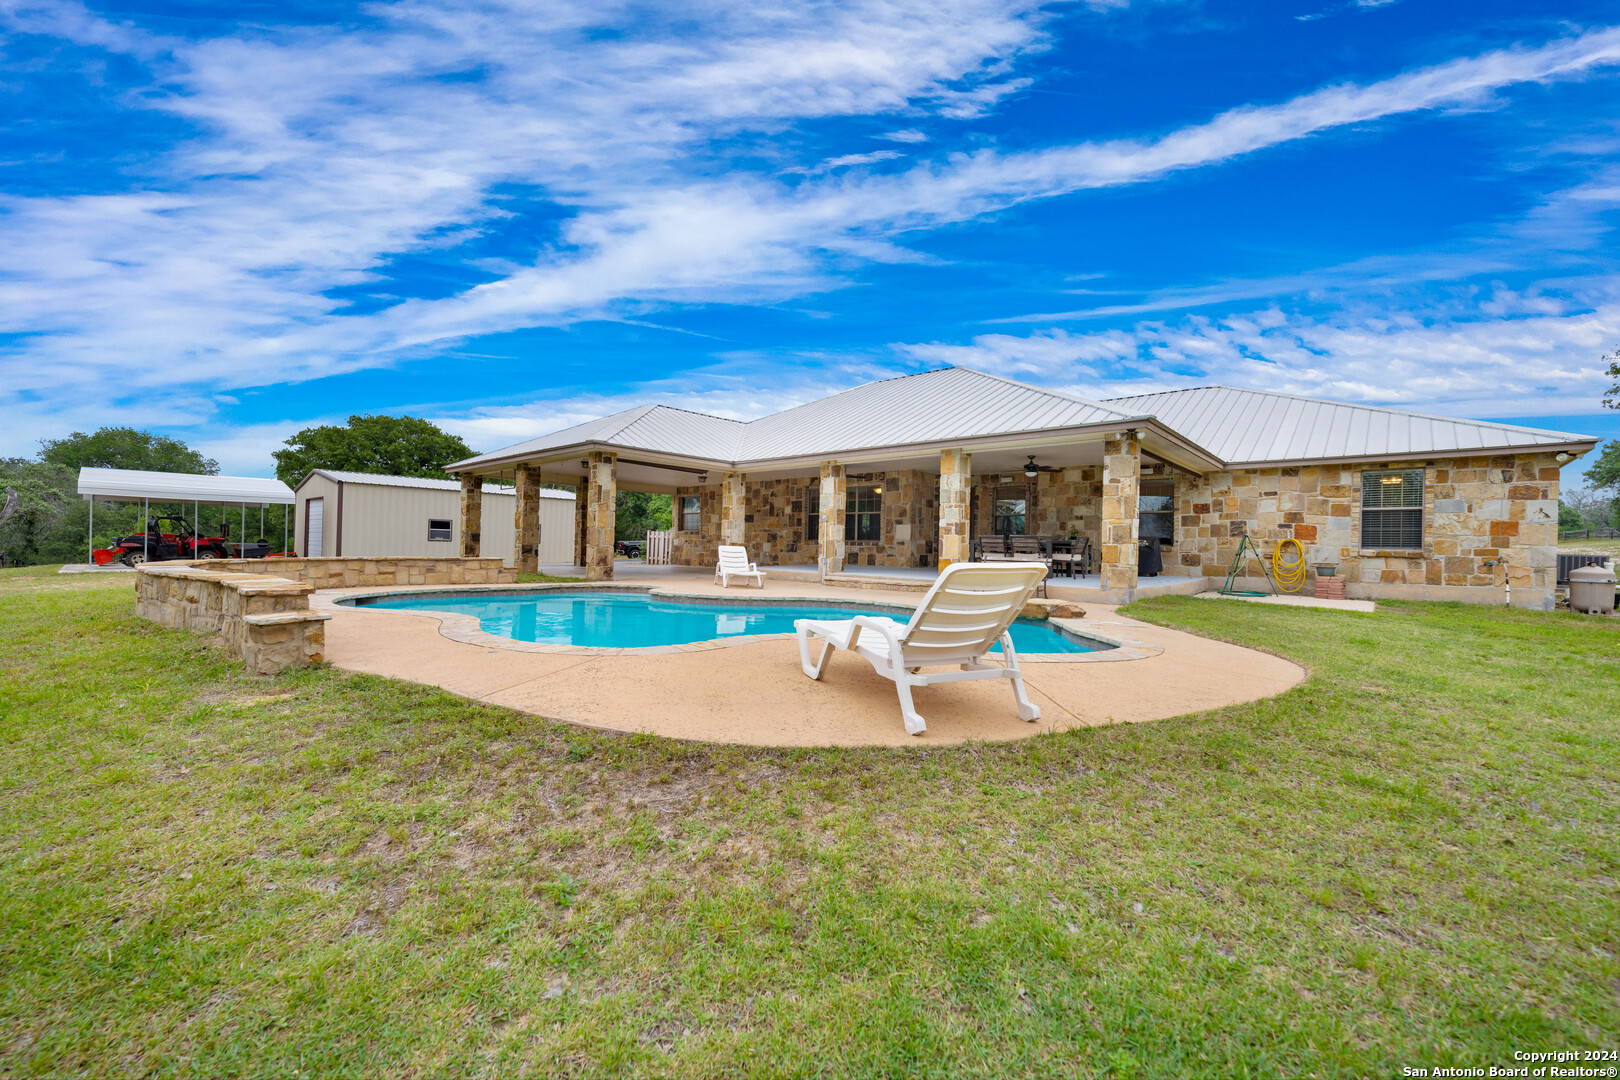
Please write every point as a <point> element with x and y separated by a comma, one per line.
<point>935,472</point>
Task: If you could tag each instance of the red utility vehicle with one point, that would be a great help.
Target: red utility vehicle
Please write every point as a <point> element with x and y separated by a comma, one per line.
<point>170,538</point>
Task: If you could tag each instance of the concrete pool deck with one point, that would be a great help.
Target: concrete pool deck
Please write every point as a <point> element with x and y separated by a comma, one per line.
<point>755,693</point>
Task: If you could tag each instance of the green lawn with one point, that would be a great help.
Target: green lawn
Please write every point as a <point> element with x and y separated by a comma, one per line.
<point>1411,859</point>
<point>1590,547</point>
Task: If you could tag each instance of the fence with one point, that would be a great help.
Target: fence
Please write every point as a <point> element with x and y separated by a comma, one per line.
<point>660,547</point>
<point>1604,533</point>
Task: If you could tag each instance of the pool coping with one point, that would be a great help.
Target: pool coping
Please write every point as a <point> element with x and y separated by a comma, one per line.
<point>467,630</point>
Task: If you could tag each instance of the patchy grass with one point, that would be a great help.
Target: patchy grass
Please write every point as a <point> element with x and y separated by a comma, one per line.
<point>526,578</point>
<point>1590,547</point>
<point>1410,859</point>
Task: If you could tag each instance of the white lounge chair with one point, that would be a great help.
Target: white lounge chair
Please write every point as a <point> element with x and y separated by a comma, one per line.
<point>734,563</point>
<point>967,611</point>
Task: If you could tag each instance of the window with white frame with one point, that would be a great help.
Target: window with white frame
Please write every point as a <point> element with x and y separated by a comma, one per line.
<point>812,511</point>
<point>1392,510</point>
<point>439,529</point>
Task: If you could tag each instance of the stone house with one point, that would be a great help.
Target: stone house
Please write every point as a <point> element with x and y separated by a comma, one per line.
<point>911,472</point>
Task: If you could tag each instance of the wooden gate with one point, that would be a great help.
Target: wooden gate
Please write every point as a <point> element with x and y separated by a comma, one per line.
<point>660,547</point>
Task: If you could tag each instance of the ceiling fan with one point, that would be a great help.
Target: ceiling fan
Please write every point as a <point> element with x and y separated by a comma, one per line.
<point>1033,470</point>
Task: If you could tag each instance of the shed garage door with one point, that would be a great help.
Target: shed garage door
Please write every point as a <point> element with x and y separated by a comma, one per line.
<point>314,519</point>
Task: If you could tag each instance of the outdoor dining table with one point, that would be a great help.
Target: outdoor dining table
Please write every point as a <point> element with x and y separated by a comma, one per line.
<point>1060,545</point>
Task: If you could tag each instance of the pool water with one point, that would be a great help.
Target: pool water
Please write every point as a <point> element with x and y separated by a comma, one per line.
<point>634,620</point>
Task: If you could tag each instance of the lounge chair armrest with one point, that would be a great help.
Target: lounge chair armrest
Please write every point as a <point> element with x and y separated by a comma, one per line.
<point>884,625</point>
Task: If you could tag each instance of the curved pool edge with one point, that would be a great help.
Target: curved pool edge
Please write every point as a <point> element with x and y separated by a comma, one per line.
<point>467,630</point>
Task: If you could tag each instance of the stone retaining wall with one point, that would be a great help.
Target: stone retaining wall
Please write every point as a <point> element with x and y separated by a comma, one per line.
<point>263,619</point>
<point>394,570</point>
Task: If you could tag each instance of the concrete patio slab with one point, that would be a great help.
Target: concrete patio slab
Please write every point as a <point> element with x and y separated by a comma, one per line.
<point>754,693</point>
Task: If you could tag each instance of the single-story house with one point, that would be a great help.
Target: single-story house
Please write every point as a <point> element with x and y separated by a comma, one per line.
<point>910,472</point>
<point>363,514</point>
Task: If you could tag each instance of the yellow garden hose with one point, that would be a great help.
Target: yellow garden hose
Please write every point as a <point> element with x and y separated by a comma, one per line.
<point>1290,576</point>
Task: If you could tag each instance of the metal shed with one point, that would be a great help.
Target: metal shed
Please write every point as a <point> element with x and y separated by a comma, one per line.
<point>366,514</point>
<point>193,489</point>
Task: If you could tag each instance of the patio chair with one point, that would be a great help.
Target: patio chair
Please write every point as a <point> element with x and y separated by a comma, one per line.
<point>734,563</point>
<point>967,611</point>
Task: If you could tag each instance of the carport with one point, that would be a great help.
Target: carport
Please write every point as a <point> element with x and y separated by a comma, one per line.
<point>146,488</point>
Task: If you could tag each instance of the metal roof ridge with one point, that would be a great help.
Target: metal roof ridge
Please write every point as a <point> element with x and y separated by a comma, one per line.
<point>1095,404</point>
<point>1360,405</point>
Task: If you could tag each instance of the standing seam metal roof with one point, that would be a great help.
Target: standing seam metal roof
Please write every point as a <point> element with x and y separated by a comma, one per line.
<point>132,485</point>
<point>935,406</point>
<point>1236,426</point>
<point>1251,426</point>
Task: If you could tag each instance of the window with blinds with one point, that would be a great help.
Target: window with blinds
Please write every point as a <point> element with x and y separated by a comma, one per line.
<point>1392,510</point>
<point>812,511</point>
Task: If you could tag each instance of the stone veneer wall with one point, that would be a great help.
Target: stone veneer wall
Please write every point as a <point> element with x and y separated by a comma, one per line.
<point>910,520</point>
<point>700,548</point>
<point>1057,502</point>
<point>343,573</point>
<point>775,516</point>
<point>775,513</point>
<point>1475,509</point>
<point>263,619</point>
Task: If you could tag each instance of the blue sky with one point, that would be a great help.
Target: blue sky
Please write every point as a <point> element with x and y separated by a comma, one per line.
<point>513,217</point>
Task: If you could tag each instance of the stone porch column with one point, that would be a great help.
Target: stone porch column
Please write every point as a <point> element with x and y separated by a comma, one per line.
<point>1122,484</point>
<point>581,501</point>
<point>472,515</point>
<point>831,559</point>
<point>602,491</point>
<point>526,520</point>
<point>955,478</point>
<point>733,508</point>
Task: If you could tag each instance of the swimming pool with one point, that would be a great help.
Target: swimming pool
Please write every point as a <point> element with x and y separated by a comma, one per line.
<point>616,620</point>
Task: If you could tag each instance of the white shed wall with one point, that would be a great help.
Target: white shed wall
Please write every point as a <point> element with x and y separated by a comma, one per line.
<point>380,520</point>
<point>316,487</point>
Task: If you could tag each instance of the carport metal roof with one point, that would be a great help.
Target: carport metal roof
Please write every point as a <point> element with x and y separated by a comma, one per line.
<point>133,485</point>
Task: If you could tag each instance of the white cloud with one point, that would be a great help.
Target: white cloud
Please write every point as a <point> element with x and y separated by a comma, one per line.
<point>905,135</point>
<point>323,154</point>
<point>1503,352</point>
<point>845,161</point>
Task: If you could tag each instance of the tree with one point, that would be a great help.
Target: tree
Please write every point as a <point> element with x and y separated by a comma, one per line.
<point>1605,475</point>
<point>124,448</point>
<point>635,513</point>
<point>390,445</point>
<point>1592,506</point>
<point>1612,398</point>
<point>49,523</point>
<point>1569,517</point>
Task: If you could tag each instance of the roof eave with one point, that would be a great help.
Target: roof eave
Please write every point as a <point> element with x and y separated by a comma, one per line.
<point>572,450</point>
<point>1573,448</point>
